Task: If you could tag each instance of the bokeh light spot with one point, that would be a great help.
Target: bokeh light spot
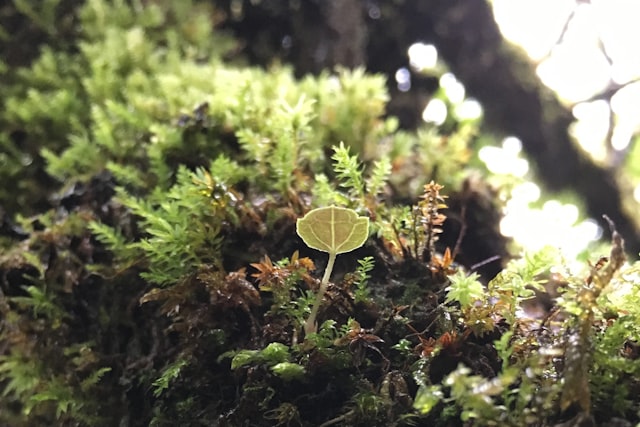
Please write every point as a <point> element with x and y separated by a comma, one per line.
<point>435,112</point>
<point>423,56</point>
<point>403,78</point>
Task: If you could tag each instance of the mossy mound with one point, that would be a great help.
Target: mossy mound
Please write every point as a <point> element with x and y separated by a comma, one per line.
<point>157,278</point>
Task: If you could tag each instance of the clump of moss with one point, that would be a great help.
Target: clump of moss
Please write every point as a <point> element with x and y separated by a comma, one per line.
<point>160,279</point>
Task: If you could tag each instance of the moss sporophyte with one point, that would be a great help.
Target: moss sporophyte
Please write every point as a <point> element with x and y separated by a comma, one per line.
<point>333,230</point>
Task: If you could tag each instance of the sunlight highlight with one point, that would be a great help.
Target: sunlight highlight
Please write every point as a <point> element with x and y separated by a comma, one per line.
<point>581,48</point>
<point>453,89</point>
<point>469,109</point>
<point>534,25</point>
<point>423,56</point>
<point>435,112</point>
<point>505,160</point>
<point>564,71</point>
<point>636,193</point>
<point>591,128</point>
<point>556,224</point>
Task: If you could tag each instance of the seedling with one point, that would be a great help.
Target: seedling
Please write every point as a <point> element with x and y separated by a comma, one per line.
<point>333,230</point>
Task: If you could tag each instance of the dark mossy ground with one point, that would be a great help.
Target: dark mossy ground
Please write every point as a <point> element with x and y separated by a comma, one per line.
<point>352,375</point>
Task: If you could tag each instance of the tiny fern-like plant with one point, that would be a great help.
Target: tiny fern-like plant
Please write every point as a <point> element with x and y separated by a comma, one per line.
<point>333,230</point>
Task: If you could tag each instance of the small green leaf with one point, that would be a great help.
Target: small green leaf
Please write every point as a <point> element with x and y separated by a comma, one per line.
<point>244,357</point>
<point>288,371</point>
<point>170,373</point>
<point>275,352</point>
<point>427,398</point>
<point>334,230</point>
<point>464,289</point>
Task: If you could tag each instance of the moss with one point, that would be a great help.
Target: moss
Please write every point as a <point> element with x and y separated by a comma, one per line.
<point>160,281</point>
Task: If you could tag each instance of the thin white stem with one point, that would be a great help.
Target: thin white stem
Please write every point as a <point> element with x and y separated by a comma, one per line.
<point>310,325</point>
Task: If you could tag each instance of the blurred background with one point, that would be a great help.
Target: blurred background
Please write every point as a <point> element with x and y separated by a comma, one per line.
<point>586,52</point>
